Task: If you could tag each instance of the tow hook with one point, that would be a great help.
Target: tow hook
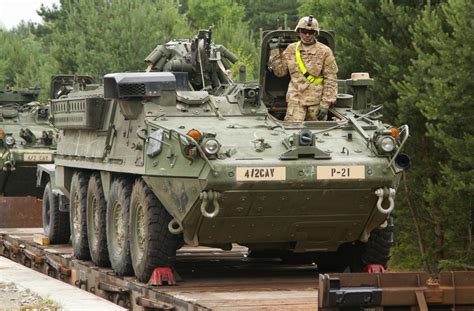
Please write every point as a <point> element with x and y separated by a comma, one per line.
<point>9,166</point>
<point>207,197</point>
<point>175,227</point>
<point>382,193</point>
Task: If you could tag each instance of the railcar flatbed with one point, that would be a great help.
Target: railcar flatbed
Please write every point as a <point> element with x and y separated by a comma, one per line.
<point>208,279</point>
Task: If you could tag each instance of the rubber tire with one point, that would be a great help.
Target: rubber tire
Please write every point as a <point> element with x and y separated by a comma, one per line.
<point>78,207</point>
<point>119,255</point>
<point>96,222</point>
<point>358,255</point>
<point>55,223</point>
<point>377,250</point>
<point>159,245</point>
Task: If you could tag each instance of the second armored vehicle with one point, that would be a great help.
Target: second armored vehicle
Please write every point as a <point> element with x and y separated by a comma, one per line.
<point>183,154</point>
<point>26,139</point>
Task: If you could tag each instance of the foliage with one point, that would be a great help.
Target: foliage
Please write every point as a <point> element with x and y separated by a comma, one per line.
<point>270,14</point>
<point>203,14</point>
<point>438,89</point>
<point>24,61</point>
<point>99,36</point>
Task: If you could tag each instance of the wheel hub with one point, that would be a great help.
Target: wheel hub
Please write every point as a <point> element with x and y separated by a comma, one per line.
<point>76,214</point>
<point>141,235</point>
<point>119,226</point>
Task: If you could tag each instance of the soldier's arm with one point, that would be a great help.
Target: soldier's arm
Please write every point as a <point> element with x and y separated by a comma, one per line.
<point>329,72</point>
<point>277,63</point>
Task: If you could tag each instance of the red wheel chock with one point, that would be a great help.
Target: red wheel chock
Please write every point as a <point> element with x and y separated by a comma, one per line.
<point>161,275</point>
<point>374,269</point>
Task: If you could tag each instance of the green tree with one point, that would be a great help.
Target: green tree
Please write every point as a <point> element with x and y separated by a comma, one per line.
<point>25,61</point>
<point>100,36</point>
<point>269,14</point>
<point>439,90</point>
<point>204,14</point>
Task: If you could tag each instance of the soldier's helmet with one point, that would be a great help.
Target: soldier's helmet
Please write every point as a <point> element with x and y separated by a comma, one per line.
<point>309,23</point>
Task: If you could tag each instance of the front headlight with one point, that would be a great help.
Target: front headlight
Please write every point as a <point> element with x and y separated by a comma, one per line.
<point>211,147</point>
<point>386,144</point>
<point>9,140</point>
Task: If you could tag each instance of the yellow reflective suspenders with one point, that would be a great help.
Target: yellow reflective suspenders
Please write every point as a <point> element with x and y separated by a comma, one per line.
<point>308,76</point>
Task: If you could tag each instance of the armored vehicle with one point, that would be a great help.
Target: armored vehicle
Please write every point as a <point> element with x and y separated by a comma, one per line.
<point>26,139</point>
<point>182,153</point>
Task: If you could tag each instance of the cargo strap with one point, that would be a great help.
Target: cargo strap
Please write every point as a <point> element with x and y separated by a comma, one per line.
<point>304,71</point>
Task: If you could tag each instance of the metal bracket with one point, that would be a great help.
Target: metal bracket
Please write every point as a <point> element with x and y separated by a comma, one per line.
<point>381,193</point>
<point>111,288</point>
<point>295,152</point>
<point>58,267</point>
<point>153,304</point>
<point>207,197</point>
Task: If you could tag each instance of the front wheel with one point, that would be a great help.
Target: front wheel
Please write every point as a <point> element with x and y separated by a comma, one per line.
<point>55,222</point>
<point>151,243</point>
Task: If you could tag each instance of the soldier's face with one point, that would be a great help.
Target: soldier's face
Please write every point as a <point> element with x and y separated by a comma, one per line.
<point>307,35</point>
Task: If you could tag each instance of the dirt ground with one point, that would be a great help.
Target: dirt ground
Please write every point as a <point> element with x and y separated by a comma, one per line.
<point>14,298</point>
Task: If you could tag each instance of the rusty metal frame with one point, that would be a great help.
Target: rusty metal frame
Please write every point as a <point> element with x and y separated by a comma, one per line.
<point>421,291</point>
<point>125,292</point>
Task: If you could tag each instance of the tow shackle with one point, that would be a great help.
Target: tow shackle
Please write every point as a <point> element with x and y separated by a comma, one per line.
<point>206,198</point>
<point>382,193</point>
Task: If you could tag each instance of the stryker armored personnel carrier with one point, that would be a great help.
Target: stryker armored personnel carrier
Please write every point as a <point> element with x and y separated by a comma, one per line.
<point>26,139</point>
<point>182,153</point>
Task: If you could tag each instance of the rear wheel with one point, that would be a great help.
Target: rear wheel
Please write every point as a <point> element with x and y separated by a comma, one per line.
<point>55,222</point>
<point>118,233</point>
<point>96,222</point>
<point>78,216</point>
<point>151,243</point>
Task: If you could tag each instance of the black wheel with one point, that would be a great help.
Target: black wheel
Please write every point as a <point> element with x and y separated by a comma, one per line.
<point>78,216</point>
<point>96,222</point>
<point>377,250</point>
<point>151,243</point>
<point>118,233</point>
<point>55,222</point>
<point>358,255</point>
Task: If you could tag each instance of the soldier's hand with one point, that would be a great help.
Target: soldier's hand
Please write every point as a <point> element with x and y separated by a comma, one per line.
<point>322,112</point>
<point>274,43</point>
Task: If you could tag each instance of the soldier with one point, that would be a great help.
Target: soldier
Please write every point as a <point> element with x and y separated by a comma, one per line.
<point>312,67</point>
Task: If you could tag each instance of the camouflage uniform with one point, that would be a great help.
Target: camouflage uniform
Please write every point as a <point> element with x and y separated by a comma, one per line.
<point>304,97</point>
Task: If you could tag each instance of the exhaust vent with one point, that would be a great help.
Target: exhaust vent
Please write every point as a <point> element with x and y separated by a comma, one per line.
<point>132,89</point>
<point>136,85</point>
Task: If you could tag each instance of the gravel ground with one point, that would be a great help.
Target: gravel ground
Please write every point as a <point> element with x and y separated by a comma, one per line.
<point>14,298</point>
